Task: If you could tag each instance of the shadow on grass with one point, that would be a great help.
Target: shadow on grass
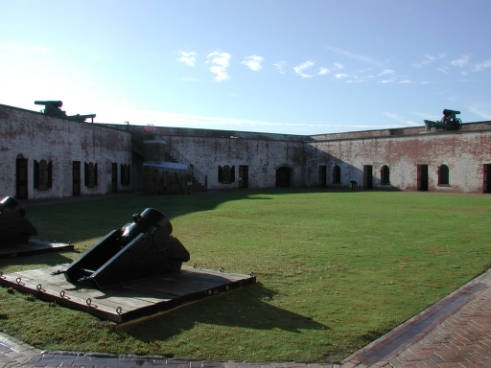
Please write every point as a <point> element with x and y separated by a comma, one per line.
<point>45,259</point>
<point>246,307</point>
<point>79,219</point>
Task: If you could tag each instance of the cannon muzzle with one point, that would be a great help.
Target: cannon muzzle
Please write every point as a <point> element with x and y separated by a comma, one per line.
<point>54,103</point>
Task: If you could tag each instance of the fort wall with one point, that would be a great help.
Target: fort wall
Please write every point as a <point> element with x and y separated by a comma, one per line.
<point>463,154</point>
<point>40,154</point>
<point>252,159</point>
<point>48,147</point>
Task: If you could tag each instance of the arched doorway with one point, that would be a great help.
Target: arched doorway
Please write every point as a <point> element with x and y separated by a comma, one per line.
<point>283,177</point>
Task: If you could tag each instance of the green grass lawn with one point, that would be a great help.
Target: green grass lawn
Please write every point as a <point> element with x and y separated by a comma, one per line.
<point>335,270</point>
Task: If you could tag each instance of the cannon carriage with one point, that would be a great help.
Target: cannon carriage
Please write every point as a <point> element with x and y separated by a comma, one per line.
<point>449,121</point>
<point>15,228</point>
<point>141,248</point>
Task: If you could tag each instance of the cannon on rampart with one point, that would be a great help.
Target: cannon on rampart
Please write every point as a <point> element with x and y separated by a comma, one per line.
<point>14,227</point>
<point>449,121</point>
<point>138,249</point>
<point>52,108</point>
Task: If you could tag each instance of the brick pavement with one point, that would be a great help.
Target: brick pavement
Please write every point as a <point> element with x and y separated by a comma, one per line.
<point>455,332</point>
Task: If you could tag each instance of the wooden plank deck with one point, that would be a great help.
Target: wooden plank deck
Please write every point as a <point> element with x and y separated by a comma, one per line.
<point>124,302</point>
<point>34,246</point>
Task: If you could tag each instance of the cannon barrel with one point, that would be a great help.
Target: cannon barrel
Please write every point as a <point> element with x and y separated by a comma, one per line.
<point>56,103</point>
<point>81,118</point>
<point>447,112</point>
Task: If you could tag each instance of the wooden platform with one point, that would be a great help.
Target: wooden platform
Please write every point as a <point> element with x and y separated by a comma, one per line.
<point>34,246</point>
<point>132,300</point>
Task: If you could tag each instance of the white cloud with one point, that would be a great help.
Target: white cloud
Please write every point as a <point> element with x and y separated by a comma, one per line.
<point>341,75</point>
<point>405,81</point>
<point>324,71</point>
<point>253,62</point>
<point>187,57</point>
<point>386,72</point>
<point>338,65</point>
<point>220,61</point>
<point>461,62</point>
<point>301,68</point>
<point>482,66</point>
<point>280,66</point>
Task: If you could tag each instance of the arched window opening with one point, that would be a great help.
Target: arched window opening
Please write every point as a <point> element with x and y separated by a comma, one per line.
<point>385,175</point>
<point>443,177</point>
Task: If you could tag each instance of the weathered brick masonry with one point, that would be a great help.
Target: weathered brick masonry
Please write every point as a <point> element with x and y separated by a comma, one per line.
<point>55,144</point>
<point>396,159</point>
<point>464,154</point>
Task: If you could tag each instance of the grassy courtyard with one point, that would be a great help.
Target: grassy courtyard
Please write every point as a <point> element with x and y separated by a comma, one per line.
<point>335,270</point>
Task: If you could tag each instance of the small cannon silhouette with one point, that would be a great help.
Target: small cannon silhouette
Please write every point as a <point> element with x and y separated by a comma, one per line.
<point>14,227</point>
<point>52,108</point>
<point>449,121</point>
<point>139,249</point>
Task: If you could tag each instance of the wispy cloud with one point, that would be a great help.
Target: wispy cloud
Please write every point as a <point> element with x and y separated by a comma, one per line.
<point>187,57</point>
<point>386,81</point>
<point>341,75</point>
<point>324,71</point>
<point>301,68</point>
<point>355,56</point>
<point>482,66</point>
<point>461,62</point>
<point>220,61</point>
<point>386,72</point>
<point>253,62</point>
<point>393,116</point>
<point>429,59</point>
<point>483,110</point>
<point>280,66</point>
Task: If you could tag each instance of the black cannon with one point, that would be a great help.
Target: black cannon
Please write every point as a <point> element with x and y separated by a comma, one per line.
<point>14,227</point>
<point>138,249</point>
<point>52,108</point>
<point>449,121</point>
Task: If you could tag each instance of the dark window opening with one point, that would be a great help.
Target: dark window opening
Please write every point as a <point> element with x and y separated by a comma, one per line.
<point>90,175</point>
<point>487,178</point>
<point>443,175</point>
<point>21,177</point>
<point>384,175</point>
<point>422,177</point>
<point>226,174</point>
<point>283,175</point>
<point>243,176</point>
<point>367,176</point>
<point>336,175</point>
<point>43,174</point>
<point>125,174</point>
<point>322,175</point>
<point>76,178</point>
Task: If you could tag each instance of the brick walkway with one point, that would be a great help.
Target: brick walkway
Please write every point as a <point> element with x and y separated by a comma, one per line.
<point>455,332</point>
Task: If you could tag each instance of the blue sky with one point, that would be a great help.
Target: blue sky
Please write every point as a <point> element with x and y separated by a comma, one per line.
<point>297,67</point>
